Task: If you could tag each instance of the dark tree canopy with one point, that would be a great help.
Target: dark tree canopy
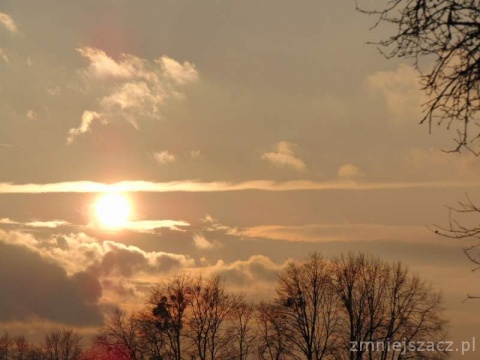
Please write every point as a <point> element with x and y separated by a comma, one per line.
<point>443,39</point>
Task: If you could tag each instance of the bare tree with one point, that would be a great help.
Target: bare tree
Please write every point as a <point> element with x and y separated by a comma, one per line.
<point>310,307</point>
<point>154,340</point>
<point>62,345</point>
<point>443,39</point>
<point>171,300</point>
<point>21,348</point>
<point>120,336</point>
<point>211,307</point>
<point>361,284</point>
<point>383,304</point>
<point>463,224</point>
<point>6,343</point>
<point>273,338</point>
<point>241,331</point>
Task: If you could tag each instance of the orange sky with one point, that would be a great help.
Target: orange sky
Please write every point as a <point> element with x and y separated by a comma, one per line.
<point>243,133</point>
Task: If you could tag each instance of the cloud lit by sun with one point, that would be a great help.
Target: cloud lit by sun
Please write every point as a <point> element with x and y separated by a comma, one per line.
<point>112,210</point>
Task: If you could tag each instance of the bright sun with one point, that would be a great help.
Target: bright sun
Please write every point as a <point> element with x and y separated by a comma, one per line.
<point>112,210</point>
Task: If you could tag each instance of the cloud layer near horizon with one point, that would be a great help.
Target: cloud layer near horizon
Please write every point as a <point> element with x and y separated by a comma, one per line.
<point>218,186</point>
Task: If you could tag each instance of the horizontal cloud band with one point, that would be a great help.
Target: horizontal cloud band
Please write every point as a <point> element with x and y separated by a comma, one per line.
<point>196,186</point>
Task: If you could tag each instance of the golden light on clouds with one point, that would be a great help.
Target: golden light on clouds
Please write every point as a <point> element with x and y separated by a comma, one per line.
<point>113,210</point>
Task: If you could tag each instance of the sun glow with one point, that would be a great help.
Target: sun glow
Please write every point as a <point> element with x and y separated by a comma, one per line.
<point>112,210</point>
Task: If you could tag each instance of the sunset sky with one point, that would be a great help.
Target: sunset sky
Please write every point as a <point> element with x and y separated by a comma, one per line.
<point>242,134</point>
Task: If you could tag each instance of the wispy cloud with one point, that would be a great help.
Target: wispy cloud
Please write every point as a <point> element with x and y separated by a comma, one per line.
<point>3,55</point>
<point>196,186</point>
<point>340,232</point>
<point>195,154</point>
<point>201,242</point>
<point>284,156</point>
<point>7,21</point>
<point>349,171</point>
<point>164,157</point>
<point>52,224</point>
<point>88,118</point>
<point>149,226</point>
<point>130,88</point>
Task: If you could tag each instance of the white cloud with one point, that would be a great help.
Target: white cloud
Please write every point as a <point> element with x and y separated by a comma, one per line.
<point>284,156</point>
<point>132,88</point>
<point>7,22</point>
<point>401,90</point>
<point>349,171</point>
<point>164,157</point>
<point>104,67</point>
<point>201,242</point>
<point>180,73</point>
<point>88,118</point>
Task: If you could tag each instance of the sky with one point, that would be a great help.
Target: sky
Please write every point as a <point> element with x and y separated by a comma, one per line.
<point>243,134</point>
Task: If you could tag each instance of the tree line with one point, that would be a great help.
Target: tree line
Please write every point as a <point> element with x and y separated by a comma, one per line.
<point>349,307</point>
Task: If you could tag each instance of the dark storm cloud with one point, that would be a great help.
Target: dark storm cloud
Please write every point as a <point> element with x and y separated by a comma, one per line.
<point>32,287</point>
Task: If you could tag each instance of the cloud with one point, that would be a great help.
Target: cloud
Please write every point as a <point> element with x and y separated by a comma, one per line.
<point>212,224</point>
<point>141,226</point>
<point>401,90</point>
<point>202,243</point>
<point>349,171</point>
<point>164,157</point>
<point>3,55</point>
<point>258,270</point>
<point>131,88</point>
<point>284,156</point>
<point>33,287</point>
<point>149,226</point>
<point>80,252</point>
<point>88,118</point>
<point>32,115</point>
<point>104,67</point>
<point>195,154</point>
<point>340,232</point>
<point>123,260</point>
<point>179,73</point>
<point>223,186</point>
<point>53,224</point>
<point>7,22</point>
<point>124,272</point>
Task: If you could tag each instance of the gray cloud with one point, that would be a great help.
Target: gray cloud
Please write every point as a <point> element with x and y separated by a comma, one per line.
<point>33,287</point>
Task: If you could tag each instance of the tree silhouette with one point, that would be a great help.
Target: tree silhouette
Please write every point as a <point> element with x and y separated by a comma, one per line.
<point>322,306</point>
<point>62,345</point>
<point>443,39</point>
<point>383,304</point>
<point>171,300</point>
<point>310,307</point>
